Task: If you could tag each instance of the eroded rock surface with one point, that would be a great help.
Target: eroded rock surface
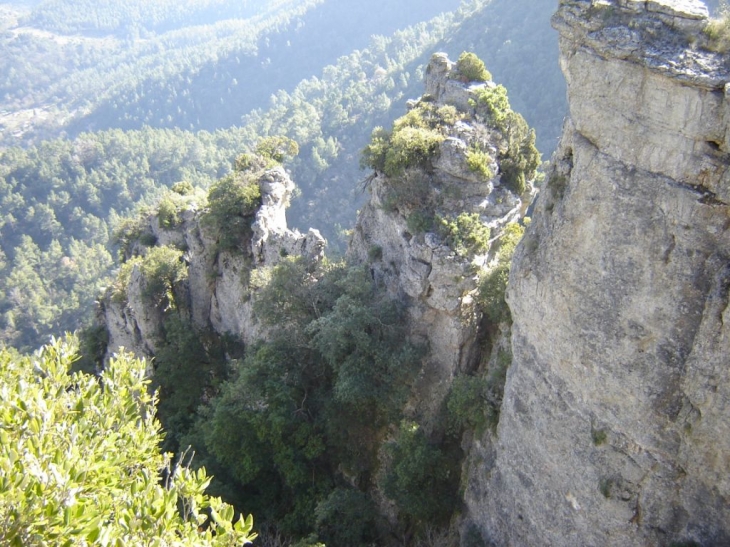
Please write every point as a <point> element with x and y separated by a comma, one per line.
<point>217,294</point>
<point>615,427</point>
<point>419,268</point>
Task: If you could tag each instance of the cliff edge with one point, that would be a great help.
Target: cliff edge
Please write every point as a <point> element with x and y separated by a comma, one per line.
<point>615,426</point>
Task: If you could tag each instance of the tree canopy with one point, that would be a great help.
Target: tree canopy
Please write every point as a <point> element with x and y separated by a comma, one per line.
<point>80,461</point>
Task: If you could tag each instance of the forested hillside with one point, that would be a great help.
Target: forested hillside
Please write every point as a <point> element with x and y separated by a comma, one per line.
<point>62,199</point>
<point>122,68</point>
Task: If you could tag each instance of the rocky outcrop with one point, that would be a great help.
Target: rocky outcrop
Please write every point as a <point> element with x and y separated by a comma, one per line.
<point>421,269</point>
<point>217,293</point>
<point>615,426</point>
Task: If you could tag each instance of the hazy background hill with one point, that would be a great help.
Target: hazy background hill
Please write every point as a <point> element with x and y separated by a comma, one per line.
<point>106,104</point>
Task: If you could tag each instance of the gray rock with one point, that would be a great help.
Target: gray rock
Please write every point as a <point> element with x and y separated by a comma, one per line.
<point>420,269</point>
<point>218,293</point>
<point>616,414</point>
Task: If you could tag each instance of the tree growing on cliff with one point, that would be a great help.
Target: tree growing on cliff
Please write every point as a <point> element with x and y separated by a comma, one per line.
<point>471,68</point>
<point>80,462</point>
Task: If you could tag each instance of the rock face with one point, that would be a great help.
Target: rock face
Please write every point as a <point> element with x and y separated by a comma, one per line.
<point>217,294</point>
<point>419,268</point>
<point>615,426</point>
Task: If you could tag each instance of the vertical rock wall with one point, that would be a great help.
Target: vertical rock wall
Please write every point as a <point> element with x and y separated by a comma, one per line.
<point>615,426</point>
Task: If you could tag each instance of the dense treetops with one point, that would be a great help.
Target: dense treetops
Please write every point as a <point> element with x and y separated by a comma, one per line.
<point>80,461</point>
<point>67,196</point>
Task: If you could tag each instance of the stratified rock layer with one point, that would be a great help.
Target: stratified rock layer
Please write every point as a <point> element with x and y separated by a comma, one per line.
<point>615,426</point>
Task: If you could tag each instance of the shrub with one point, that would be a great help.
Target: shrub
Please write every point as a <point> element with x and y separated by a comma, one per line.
<point>420,221</point>
<point>518,156</point>
<point>373,155</point>
<point>479,162</point>
<point>471,68</point>
<point>120,284</point>
<point>410,147</point>
<point>148,239</point>
<point>466,402</point>
<point>80,462</point>
<point>346,518</point>
<point>491,294</point>
<point>232,204</point>
<point>496,378</point>
<point>466,234</point>
<point>167,213</point>
<point>605,485</point>
<point>277,149</point>
<point>521,159</point>
<point>162,269</point>
<point>420,479</point>
<point>128,232</point>
<point>183,188</point>
<point>718,30</point>
<point>495,100</point>
<point>599,436</point>
<point>375,253</point>
<point>413,141</point>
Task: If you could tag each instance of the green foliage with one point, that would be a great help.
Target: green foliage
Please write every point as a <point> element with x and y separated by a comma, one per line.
<point>163,269</point>
<point>605,485</point>
<point>183,188</point>
<point>167,213</point>
<point>466,403</point>
<point>121,282</point>
<point>80,463</point>
<point>479,162</point>
<point>467,235</point>
<point>493,286</point>
<point>277,149</point>
<point>312,399</point>
<point>599,436</point>
<point>492,291</point>
<point>410,147</point>
<point>475,401</point>
<point>375,253</point>
<point>471,68</point>
<point>521,159</point>
<point>94,341</point>
<point>518,155</point>
<point>129,231</point>
<point>361,340</point>
<point>496,378</point>
<point>293,296</point>
<point>232,205</point>
<point>413,142</point>
<point>718,31</point>
<point>346,518</point>
<point>417,467</point>
<point>420,221</point>
<point>495,101</point>
<point>261,429</point>
<point>188,364</point>
<point>373,155</point>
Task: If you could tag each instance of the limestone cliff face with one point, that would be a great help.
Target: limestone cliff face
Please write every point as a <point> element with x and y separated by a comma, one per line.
<point>615,426</point>
<point>419,268</point>
<point>217,293</point>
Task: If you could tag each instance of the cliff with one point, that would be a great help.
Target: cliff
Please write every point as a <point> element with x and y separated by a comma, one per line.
<point>615,427</point>
<point>416,260</point>
<point>359,356</point>
<point>215,291</point>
